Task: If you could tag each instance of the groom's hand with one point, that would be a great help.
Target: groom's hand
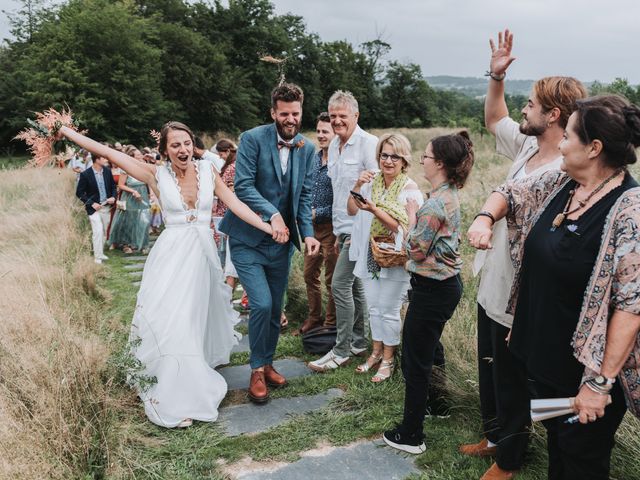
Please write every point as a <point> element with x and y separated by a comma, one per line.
<point>313,246</point>
<point>280,231</point>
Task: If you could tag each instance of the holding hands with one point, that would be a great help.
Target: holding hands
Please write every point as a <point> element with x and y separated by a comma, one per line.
<point>279,231</point>
<point>501,57</point>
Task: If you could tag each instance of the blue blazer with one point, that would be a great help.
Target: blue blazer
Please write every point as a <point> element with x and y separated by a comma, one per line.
<point>258,183</point>
<point>87,188</point>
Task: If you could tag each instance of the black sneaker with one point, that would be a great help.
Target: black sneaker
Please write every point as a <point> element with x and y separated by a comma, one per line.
<point>407,443</point>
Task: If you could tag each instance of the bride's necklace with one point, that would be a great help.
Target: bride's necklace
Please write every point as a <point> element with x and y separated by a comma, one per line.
<point>562,216</point>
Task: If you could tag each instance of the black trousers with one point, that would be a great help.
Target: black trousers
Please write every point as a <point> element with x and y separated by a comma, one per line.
<point>504,394</point>
<point>577,451</point>
<point>431,304</point>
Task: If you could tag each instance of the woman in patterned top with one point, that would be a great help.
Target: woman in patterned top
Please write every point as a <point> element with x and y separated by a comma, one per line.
<point>576,290</point>
<point>434,264</point>
<point>382,213</point>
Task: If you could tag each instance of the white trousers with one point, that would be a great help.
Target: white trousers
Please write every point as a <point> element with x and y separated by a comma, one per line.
<point>99,223</point>
<point>384,299</point>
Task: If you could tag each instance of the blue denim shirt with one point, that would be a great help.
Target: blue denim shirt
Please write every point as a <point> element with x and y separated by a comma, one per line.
<point>102,189</point>
<point>322,192</point>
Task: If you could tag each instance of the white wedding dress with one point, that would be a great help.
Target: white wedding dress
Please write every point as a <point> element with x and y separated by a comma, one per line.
<point>183,324</point>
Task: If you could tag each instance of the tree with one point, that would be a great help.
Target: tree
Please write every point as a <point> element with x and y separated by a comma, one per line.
<point>406,96</point>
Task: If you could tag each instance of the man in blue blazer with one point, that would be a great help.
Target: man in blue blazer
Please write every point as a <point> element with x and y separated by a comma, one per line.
<point>274,170</point>
<point>96,189</point>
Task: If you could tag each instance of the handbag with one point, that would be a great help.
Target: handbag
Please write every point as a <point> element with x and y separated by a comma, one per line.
<point>387,257</point>
<point>121,205</point>
<point>319,340</point>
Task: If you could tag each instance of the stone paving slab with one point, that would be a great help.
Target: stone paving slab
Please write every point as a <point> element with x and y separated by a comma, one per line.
<point>135,258</point>
<point>238,377</point>
<point>249,418</point>
<point>361,461</point>
<point>134,266</point>
<point>137,273</point>
<point>243,345</point>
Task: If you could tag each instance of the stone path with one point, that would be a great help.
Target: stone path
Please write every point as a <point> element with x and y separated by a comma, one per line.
<point>250,418</point>
<point>238,377</point>
<point>365,460</point>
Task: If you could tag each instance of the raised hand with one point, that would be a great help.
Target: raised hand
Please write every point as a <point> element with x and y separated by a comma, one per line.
<point>501,56</point>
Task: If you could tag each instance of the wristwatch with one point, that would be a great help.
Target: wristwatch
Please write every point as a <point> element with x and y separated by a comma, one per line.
<point>604,382</point>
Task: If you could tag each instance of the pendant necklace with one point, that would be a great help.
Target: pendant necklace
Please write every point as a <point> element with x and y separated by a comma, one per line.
<point>562,216</point>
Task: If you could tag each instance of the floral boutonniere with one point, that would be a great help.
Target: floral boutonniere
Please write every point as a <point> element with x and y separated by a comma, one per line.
<point>300,144</point>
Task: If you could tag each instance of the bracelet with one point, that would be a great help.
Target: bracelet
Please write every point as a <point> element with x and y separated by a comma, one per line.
<point>495,76</point>
<point>487,214</point>
<point>595,388</point>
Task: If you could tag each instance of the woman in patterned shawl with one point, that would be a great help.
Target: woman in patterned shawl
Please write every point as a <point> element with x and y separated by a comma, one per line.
<point>576,292</point>
<point>382,213</point>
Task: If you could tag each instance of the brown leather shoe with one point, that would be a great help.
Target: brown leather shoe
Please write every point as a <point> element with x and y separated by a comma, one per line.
<point>496,473</point>
<point>479,449</point>
<point>308,324</point>
<point>273,378</point>
<point>258,391</point>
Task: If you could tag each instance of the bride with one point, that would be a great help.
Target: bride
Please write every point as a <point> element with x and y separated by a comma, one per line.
<point>183,324</point>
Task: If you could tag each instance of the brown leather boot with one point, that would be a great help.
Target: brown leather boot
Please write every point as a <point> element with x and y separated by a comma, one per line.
<point>273,378</point>
<point>480,449</point>
<point>309,324</point>
<point>496,473</point>
<point>258,391</point>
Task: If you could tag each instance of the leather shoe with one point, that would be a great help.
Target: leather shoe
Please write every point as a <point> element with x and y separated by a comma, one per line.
<point>480,449</point>
<point>496,473</point>
<point>258,391</point>
<point>273,378</point>
<point>309,324</point>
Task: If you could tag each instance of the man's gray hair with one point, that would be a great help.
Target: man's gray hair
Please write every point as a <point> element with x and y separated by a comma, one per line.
<point>344,98</point>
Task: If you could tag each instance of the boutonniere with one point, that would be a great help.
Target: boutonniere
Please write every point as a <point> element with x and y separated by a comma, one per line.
<point>300,144</point>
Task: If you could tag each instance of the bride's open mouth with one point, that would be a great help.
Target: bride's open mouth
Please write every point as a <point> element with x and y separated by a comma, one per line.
<point>182,160</point>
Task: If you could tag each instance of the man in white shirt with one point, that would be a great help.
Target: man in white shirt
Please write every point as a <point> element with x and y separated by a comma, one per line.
<point>350,152</point>
<point>202,153</point>
<point>532,145</point>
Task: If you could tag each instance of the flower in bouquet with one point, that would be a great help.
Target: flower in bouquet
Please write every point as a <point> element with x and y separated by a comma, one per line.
<point>41,135</point>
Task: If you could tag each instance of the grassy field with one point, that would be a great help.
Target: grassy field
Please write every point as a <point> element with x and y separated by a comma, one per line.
<point>66,412</point>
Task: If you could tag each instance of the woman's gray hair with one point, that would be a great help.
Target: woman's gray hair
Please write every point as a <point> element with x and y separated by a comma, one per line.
<point>344,98</point>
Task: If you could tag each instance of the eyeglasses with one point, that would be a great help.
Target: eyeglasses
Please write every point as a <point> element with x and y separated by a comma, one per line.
<point>394,158</point>
<point>426,156</point>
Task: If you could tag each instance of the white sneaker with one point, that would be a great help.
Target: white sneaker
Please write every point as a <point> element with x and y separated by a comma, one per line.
<point>97,260</point>
<point>330,361</point>
<point>358,352</point>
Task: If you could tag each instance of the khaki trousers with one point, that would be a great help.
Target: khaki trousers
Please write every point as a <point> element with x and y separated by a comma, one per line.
<point>323,232</point>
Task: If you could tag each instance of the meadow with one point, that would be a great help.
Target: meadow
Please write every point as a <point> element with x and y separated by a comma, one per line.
<point>65,408</point>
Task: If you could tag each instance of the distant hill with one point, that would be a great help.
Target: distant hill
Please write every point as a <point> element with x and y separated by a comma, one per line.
<point>476,86</point>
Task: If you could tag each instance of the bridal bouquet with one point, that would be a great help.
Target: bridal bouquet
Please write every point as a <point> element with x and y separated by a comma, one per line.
<point>41,134</point>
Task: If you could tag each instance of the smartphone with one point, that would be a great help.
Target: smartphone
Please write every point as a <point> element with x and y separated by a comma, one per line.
<point>358,197</point>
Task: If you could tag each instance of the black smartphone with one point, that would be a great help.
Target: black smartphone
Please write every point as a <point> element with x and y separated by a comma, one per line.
<point>358,197</point>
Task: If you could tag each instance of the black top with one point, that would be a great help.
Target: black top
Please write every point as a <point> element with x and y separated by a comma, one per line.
<point>556,268</point>
<point>87,188</point>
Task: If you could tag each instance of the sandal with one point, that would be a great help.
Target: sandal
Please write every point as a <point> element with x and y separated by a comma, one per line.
<point>127,250</point>
<point>366,366</point>
<point>187,422</point>
<point>384,365</point>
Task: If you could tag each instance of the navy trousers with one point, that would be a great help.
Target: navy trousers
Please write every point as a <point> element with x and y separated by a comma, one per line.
<point>263,272</point>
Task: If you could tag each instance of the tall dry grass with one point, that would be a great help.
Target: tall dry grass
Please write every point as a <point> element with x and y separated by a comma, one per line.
<point>53,407</point>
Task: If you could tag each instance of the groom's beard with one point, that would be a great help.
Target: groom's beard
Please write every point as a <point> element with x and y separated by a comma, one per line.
<point>287,130</point>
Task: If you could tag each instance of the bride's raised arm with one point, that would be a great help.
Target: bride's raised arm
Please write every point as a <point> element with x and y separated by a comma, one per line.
<point>142,171</point>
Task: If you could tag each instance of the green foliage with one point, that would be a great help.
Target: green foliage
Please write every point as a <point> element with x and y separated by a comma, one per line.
<point>619,86</point>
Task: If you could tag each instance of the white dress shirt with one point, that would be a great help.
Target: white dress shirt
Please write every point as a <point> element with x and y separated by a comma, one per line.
<point>344,168</point>
<point>284,155</point>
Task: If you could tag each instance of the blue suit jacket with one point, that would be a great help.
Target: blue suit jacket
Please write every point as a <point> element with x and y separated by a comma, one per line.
<point>258,183</point>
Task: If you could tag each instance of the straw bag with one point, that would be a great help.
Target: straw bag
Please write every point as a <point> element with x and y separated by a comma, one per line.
<point>386,255</point>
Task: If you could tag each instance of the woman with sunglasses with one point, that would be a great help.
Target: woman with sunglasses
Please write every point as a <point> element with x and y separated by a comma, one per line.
<point>380,211</point>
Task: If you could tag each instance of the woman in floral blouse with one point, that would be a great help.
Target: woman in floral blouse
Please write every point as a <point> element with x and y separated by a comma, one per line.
<point>434,264</point>
<point>576,293</point>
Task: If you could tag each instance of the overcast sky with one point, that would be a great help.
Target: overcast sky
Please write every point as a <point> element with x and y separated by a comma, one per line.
<point>588,39</point>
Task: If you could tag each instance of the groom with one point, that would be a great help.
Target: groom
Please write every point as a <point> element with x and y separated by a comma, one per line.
<point>274,169</point>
